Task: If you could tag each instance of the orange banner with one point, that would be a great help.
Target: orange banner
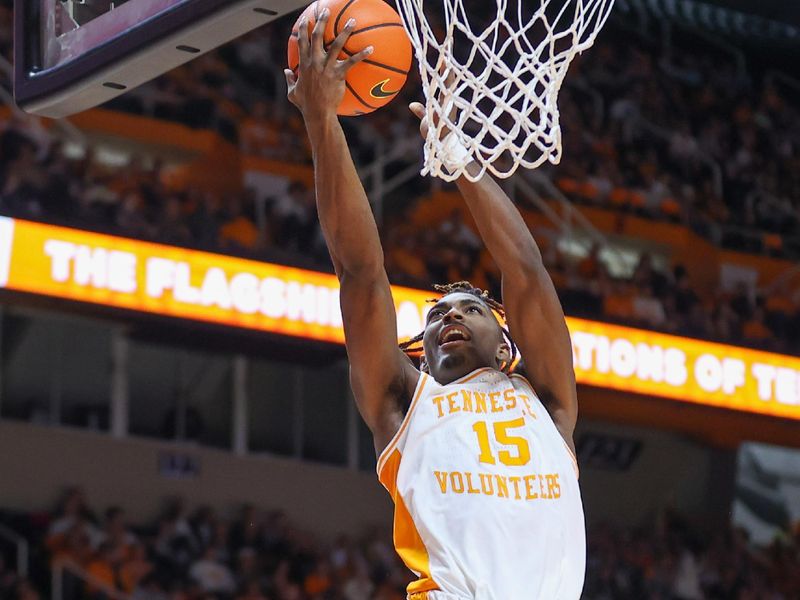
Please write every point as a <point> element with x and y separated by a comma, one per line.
<point>177,282</point>
<point>656,364</point>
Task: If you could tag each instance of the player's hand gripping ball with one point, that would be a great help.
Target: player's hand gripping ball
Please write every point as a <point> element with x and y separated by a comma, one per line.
<point>376,80</point>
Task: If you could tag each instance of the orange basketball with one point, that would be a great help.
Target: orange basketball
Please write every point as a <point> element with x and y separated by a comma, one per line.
<point>375,81</point>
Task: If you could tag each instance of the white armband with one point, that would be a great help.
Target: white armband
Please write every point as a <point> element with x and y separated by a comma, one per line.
<point>455,155</point>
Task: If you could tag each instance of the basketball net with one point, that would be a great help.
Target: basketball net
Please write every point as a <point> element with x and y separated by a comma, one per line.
<point>491,93</point>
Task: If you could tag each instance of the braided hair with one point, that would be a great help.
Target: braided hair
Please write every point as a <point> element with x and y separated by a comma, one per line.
<point>414,347</point>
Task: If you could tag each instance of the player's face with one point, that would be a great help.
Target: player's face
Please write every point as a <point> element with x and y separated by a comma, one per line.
<point>461,335</point>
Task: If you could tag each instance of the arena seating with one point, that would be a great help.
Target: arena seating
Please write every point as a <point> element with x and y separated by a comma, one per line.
<point>259,555</point>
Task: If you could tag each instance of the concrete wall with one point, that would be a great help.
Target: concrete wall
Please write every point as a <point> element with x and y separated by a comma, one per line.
<point>36,462</point>
<point>671,471</point>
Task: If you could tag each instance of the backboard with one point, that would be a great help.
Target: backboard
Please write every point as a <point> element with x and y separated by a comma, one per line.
<point>71,55</point>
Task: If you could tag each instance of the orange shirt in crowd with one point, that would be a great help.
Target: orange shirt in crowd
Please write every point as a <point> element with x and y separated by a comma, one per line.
<point>241,231</point>
<point>619,196</point>
<point>618,304</point>
<point>568,185</point>
<point>671,207</point>
<point>70,546</point>
<point>589,267</point>
<point>589,191</point>
<point>409,263</point>
<point>316,584</point>
<point>132,572</point>
<point>756,331</point>
<point>778,303</point>
<point>102,572</point>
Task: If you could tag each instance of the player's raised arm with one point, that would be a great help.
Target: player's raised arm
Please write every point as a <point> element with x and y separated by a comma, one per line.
<point>533,309</point>
<point>381,375</point>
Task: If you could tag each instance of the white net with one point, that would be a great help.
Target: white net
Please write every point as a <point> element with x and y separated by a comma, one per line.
<point>491,72</point>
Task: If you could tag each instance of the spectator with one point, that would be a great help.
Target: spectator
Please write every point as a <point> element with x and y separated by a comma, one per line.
<point>130,217</point>
<point>171,227</point>
<point>102,570</point>
<point>358,587</point>
<point>673,559</point>
<point>204,525</point>
<point>73,516</point>
<point>319,581</point>
<point>211,574</point>
<point>589,266</point>
<point>685,296</point>
<point>258,134</point>
<point>239,232</point>
<point>204,220</point>
<point>295,216</point>
<point>116,531</point>
<point>135,568</point>
<point>754,330</point>
<point>150,588</point>
<point>648,309</point>
<point>619,301</point>
<point>252,591</point>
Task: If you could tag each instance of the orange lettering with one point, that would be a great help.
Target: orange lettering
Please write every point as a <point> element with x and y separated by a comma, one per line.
<point>457,483</point>
<point>480,402</point>
<point>556,487</point>
<point>541,487</point>
<point>451,403</point>
<point>438,401</point>
<point>551,483</point>
<point>510,398</point>
<point>529,493</point>
<point>527,404</point>
<point>467,397</point>
<point>441,477</point>
<point>502,486</point>
<point>470,488</point>
<point>493,399</point>
<point>515,480</point>
<point>487,487</point>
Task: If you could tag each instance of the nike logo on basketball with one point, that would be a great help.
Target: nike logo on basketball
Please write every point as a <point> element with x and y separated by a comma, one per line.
<point>378,90</point>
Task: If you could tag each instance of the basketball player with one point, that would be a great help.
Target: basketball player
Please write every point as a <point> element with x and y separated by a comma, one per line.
<point>478,461</point>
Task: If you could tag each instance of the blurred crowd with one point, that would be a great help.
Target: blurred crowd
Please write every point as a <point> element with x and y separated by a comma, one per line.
<point>686,137</point>
<point>260,555</point>
<point>676,560</point>
<point>38,181</point>
<point>667,300</point>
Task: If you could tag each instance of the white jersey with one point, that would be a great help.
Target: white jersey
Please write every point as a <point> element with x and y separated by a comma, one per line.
<point>487,503</point>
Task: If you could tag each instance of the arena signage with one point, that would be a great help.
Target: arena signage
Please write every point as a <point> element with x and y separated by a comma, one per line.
<point>177,282</point>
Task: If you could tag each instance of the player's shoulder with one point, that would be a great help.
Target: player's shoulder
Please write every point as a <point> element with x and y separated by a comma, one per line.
<point>410,380</point>
<point>399,401</point>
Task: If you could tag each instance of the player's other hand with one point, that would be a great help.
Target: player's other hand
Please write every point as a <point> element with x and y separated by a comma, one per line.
<point>424,120</point>
<point>419,111</point>
<point>317,88</point>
